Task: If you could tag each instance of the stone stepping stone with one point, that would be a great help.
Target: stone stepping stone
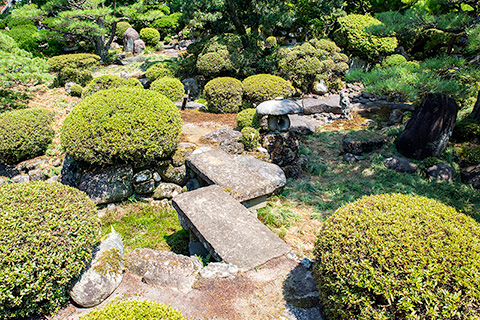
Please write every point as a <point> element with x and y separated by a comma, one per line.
<point>218,167</point>
<point>228,230</point>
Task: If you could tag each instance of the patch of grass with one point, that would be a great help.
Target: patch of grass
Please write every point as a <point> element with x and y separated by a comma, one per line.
<point>144,226</point>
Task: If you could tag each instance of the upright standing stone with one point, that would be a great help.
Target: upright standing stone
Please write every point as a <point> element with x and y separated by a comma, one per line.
<point>129,38</point>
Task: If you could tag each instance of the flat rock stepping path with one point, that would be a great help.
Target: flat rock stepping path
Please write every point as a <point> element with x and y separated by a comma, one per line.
<point>228,230</point>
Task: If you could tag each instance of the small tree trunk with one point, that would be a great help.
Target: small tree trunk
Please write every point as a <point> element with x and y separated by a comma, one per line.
<point>475,115</point>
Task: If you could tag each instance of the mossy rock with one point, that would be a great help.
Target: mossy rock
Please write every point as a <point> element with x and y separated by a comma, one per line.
<point>248,118</point>
<point>158,70</point>
<point>172,88</point>
<point>134,310</point>
<point>109,81</point>
<point>396,256</point>
<point>263,87</point>
<point>224,95</point>
<point>34,277</point>
<point>120,125</point>
<point>25,134</point>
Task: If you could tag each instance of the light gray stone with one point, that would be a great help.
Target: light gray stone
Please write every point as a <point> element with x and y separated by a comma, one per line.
<point>202,149</point>
<point>31,164</point>
<point>21,178</point>
<point>269,171</point>
<point>129,60</point>
<point>329,105</point>
<point>219,270</point>
<point>400,164</point>
<point>138,47</point>
<point>37,175</point>
<point>229,231</point>
<point>3,181</point>
<point>166,191</point>
<point>177,175</point>
<point>232,146</point>
<point>103,275</point>
<point>54,179</point>
<point>191,86</point>
<point>302,125</point>
<point>129,38</point>
<point>142,176</point>
<point>164,269</point>
<point>156,177</point>
<point>278,107</point>
<point>221,135</point>
<point>319,87</point>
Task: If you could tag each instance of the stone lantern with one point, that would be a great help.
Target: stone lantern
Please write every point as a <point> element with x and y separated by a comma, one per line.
<point>277,111</point>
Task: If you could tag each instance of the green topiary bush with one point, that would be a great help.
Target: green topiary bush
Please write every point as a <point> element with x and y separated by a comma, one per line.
<point>249,138</point>
<point>74,61</point>
<point>172,88</point>
<point>263,87</point>
<point>134,310</point>
<point>122,26</point>
<point>47,236</point>
<point>224,95</point>
<point>76,90</point>
<point>109,81</point>
<point>122,125</point>
<point>248,118</point>
<point>397,256</point>
<point>271,41</point>
<point>212,63</point>
<point>353,36</point>
<point>25,134</point>
<point>394,60</point>
<point>158,70</point>
<point>150,36</point>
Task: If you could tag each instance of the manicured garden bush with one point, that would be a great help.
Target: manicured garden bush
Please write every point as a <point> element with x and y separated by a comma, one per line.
<point>394,60</point>
<point>150,36</point>
<point>172,88</point>
<point>212,63</point>
<point>249,138</point>
<point>271,41</point>
<point>263,87</point>
<point>10,100</point>
<point>47,236</point>
<point>248,118</point>
<point>134,310</point>
<point>122,125</point>
<point>122,26</point>
<point>76,90</point>
<point>109,81</point>
<point>395,256</point>
<point>71,74</point>
<point>25,134</point>
<point>74,61</point>
<point>158,70</point>
<point>224,95</point>
<point>466,129</point>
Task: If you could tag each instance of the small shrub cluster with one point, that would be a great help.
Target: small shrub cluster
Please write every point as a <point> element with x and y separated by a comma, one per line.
<point>212,63</point>
<point>158,70</point>
<point>249,138</point>
<point>25,134</point>
<point>134,310</point>
<point>26,37</point>
<point>76,90</point>
<point>122,26</point>
<point>395,256</point>
<point>122,125</point>
<point>172,88</point>
<point>271,41</point>
<point>248,118</point>
<point>466,129</point>
<point>394,60</point>
<point>263,87</point>
<point>73,67</point>
<point>10,100</point>
<point>48,233</point>
<point>150,36</point>
<point>109,82</point>
<point>224,95</point>
<point>469,155</point>
<point>168,24</point>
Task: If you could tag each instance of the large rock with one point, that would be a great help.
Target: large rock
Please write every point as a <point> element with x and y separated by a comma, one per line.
<point>282,147</point>
<point>191,87</point>
<point>138,47</point>
<point>441,171</point>
<point>400,164</point>
<point>269,171</point>
<point>428,131</point>
<point>164,269</point>
<point>129,38</point>
<point>166,191</point>
<point>471,175</point>
<point>105,184</point>
<point>102,276</point>
<point>221,135</point>
<point>170,173</point>
<point>232,146</point>
<point>359,142</point>
<point>319,87</point>
<point>301,124</point>
<point>229,231</point>
<point>328,105</point>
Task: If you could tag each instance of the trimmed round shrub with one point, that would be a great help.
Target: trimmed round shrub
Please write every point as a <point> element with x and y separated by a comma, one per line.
<point>224,95</point>
<point>211,63</point>
<point>47,235</point>
<point>158,70</point>
<point>271,41</point>
<point>394,60</point>
<point>263,87</point>
<point>134,310</point>
<point>25,134</point>
<point>76,90</point>
<point>150,36</point>
<point>249,138</point>
<point>248,118</point>
<point>109,81</point>
<point>172,88</point>
<point>122,125</point>
<point>395,256</point>
<point>74,61</point>
<point>122,26</point>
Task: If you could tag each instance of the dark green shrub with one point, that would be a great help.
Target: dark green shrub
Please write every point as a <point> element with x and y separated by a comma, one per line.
<point>394,60</point>
<point>10,100</point>
<point>70,74</point>
<point>48,233</point>
<point>150,36</point>
<point>109,82</point>
<point>248,118</point>
<point>263,87</point>
<point>26,36</point>
<point>218,54</point>
<point>134,310</point>
<point>469,155</point>
<point>122,124</point>
<point>122,26</point>
<point>224,95</point>
<point>397,256</point>
<point>354,37</point>
<point>172,88</point>
<point>250,138</point>
<point>25,134</point>
<point>212,63</point>
<point>74,61</point>
<point>466,129</point>
<point>158,70</point>
<point>76,90</point>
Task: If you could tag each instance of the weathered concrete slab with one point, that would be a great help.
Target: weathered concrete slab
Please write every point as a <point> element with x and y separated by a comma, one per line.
<point>228,230</point>
<point>218,167</point>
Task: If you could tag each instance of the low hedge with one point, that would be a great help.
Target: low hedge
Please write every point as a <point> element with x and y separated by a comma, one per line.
<point>395,256</point>
<point>158,70</point>
<point>248,118</point>
<point>134,310</point>
<point>224,95</point>
<point>263,87</point>
<point>172,88</point>
<point>74,61</point>
<point>150,36</point>
<point>122,125</point>
<point>25,134</point>
<point>109,82</point>
<point>67,74</point>
<point>47,235</point>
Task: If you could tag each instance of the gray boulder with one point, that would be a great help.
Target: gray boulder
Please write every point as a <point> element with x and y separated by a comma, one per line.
<point>319,87</point>
<point>400,164</point>
<point>129,38</point>
<point>441,171</point>
<point>232,146</point>
<point>145,187</point>
<point>270,171</point>
<point>37,175</point>
<point>3,180</point>
<point>301,125</point>
<point>221,135</point>
<point>138,47</point>
<point>21,178</point>
<point>177,175</point>
<point>166,191</point>
<point>31,164</point>
<point>102,276</point>
<point>219,270</point>
<point>191,86</point>
<point>362,141</point>
<point>329,105</point>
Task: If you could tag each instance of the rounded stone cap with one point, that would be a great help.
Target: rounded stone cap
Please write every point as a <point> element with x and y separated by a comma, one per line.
<point>278,107</point>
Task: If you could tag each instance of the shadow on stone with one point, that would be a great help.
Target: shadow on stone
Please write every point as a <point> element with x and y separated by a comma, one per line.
<point>178,242</point>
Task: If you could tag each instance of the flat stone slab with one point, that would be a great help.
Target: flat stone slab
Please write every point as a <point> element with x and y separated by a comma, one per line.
<point>229,231</point>
<point>218,167</point>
